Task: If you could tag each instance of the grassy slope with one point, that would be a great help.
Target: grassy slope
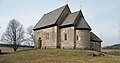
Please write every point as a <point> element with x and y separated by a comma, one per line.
<point>57,56</point>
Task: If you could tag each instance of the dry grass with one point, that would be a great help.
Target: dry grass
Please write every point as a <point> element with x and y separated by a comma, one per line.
<point>115,52</point>
<point>6,49</point>
<point>9,49</point>
<point>57,56</point>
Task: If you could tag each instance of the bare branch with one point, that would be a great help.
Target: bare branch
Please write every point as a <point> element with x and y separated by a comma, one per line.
<point>30,39</point>
<point>14,34</point>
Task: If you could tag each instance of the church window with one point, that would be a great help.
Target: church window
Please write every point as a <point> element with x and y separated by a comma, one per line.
<point>77,37</point>
<point>65,36</point>
<point>47,36</point>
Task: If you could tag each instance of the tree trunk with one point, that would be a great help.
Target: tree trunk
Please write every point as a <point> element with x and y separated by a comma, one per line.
<point>15,49</point>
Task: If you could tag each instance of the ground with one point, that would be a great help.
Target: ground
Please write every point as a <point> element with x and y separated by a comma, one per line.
<point>9,49</point>
<point>58,56</point>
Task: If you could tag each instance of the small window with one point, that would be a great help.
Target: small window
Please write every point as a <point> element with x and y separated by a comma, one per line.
<point>47,36</point>
<point>65,37</point>
<point>77,37</point>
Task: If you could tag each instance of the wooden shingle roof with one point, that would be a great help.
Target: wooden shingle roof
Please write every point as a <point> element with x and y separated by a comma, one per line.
<point>82,24</point>
<point>94,38</point>
<point>70,19</point>
<point>63,17</point>
<point>50,18</point>
<point>77,20</point>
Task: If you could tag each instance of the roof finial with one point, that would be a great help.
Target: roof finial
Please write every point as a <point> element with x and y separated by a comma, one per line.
<point>80,6</point>
<point>44,12</point>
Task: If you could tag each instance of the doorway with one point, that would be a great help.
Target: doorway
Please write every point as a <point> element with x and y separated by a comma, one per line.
<point>40,43</point>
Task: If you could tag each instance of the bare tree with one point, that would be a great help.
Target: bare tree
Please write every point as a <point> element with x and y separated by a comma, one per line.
<point>30,39</point>
<point>14,34</point>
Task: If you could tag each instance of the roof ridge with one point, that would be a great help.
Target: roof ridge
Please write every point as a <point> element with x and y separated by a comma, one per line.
<point>77,18</point>
<point>68,21</point>
<point>50,18</point>
<point>62,12</point>
<point>57,9</point>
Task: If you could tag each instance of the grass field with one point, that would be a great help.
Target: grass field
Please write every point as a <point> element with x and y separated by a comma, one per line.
<point>9,49</point>
<point>115,52</point>
<point>57,56</point>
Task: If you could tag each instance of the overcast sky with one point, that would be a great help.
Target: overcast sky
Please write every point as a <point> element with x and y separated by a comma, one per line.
<point>102,15</point>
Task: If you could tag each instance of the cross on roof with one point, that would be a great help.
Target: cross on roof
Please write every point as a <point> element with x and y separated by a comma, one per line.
<point>80,6</point>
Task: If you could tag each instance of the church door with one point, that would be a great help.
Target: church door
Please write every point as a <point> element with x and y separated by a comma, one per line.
<point>40,42</point>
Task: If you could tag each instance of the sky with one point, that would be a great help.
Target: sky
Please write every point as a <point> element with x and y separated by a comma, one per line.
<point>102,15</point>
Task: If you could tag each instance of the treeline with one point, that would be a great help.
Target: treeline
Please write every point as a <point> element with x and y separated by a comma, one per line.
<point>10,45</point>
<point>116,46</point>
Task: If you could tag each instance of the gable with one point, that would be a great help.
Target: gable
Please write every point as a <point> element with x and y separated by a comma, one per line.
<point>51,17</point>
<point>63,17</point>
<point>81,22</point>
<point>70,19</point>
<point>77,20</point>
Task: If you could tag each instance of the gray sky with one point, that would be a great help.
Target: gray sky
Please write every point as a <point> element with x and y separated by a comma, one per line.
<point>102,15</point>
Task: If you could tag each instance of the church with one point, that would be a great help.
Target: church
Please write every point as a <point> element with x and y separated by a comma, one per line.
<point>64,29</point>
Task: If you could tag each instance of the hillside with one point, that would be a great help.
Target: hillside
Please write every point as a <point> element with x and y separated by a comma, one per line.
<point>10,45</point>
<point>115,46</point>
<point>57,56</point>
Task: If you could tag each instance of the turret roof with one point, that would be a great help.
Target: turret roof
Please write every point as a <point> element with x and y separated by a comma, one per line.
<point>94,38</point>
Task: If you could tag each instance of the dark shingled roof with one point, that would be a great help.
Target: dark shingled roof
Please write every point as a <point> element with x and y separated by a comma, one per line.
<point>94,38</point>
<point>82,24</point>
<point>70,19</point>
<point>63,17</point>
<point>76,19</point>
<point>50,18</point>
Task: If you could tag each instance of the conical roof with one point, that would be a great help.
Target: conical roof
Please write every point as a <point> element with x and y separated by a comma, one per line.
<point>94,38</point>
<point>76,19</point>
<point>81,22</point>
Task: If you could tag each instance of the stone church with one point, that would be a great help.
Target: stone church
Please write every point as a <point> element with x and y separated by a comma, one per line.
<point>62,28</point>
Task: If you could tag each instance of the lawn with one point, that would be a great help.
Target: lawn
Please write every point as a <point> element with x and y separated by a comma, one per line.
<point>57,56</point>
